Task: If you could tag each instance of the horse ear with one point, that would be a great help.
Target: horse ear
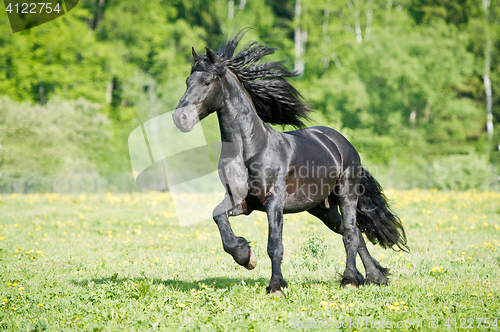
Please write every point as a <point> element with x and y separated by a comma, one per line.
<point>210,55</point>
<point>195,55</point>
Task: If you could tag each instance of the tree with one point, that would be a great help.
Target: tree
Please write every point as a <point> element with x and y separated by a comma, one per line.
<point>52,138</point>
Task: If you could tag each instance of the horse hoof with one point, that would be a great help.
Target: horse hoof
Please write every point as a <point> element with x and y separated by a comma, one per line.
<point>252,263</point>
<point>277,293</point>
<point>350,286</point>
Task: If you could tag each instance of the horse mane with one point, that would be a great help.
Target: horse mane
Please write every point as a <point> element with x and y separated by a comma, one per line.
<point>275,99</point>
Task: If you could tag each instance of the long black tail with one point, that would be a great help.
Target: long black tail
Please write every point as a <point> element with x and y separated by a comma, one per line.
<point>374,217</point>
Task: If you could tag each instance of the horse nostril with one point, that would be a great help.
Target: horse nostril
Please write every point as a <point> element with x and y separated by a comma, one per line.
<point>183,117</point>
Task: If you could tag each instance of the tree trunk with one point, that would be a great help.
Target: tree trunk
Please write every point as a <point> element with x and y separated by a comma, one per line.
<point>153,104</point>
<point>413,116</point>
<point>427,113</point>
<point>109,92</point>
<point>357,27</point>
<point>300,41</point>
<point>100,13</point>
<point>357,24</point>
<point>489,114</point>
<point>487,67</point>
<point>369,20</point>
<point>326,39</point>
<point>230,9</point>
<point>41,93</point>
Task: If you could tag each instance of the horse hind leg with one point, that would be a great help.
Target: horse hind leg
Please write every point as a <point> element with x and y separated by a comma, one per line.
<point>375,273</point>
<point>333,220</point>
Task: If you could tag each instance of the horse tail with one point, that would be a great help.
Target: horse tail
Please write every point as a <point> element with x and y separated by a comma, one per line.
<point>374,217</point>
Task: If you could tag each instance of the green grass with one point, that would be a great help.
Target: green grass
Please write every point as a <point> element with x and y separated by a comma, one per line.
<point>122,263</point>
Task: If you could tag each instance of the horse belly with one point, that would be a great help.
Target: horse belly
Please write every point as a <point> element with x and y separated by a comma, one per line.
<point>305,193</point>
<point>312,175</point>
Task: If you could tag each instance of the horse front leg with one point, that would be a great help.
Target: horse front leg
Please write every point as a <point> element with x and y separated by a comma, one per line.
<point>236,246</point>
<point>274,210</point>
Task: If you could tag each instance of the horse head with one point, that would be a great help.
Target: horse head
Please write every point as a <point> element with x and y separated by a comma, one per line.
<point>203,95</point>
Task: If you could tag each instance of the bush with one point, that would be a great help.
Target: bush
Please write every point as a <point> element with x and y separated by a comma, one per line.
<point>52,138</point>
<point>461,172</point>
<point>313,250</point>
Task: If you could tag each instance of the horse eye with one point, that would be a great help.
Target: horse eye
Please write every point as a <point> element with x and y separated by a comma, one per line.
<point>207,83</point>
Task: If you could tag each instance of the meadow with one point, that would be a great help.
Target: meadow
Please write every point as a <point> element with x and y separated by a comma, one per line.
<point>121,262</point>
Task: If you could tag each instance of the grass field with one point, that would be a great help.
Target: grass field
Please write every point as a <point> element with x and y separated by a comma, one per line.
<point>122,263</point>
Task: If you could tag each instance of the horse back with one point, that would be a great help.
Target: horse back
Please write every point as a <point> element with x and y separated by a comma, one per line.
<point>325,140</point>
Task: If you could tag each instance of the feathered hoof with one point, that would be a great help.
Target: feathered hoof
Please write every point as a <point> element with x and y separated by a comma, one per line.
<point>278,293</point>
<point>352,279</point>
<point>350,286</point>
<point>376,279</point>
<point>252,263</point>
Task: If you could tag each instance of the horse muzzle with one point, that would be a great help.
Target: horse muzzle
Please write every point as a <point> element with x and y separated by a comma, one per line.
<point>186,117</point>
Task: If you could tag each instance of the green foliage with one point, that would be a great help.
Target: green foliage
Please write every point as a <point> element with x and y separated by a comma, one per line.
<point>313,250</point>
<point>52,138</point>
<point>58,58</point>
<point>401,78</point>
<point>403,85</point>
<point>461,172</point>
<point>457,12</point>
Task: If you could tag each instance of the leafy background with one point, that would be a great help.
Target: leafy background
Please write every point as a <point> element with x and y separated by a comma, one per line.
<point>402,79</point>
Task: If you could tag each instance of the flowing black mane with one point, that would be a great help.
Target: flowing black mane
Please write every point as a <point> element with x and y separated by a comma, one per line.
<point>275,99</point>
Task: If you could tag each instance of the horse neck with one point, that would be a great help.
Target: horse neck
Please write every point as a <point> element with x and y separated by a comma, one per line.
<point>238,120</point>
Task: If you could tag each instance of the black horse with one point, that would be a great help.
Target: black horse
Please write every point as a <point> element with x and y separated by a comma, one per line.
<point>310,169</point>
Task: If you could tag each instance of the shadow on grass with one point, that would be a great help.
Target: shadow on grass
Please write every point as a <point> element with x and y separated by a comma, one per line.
<point>187,286</point>
<point>219,283</point>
